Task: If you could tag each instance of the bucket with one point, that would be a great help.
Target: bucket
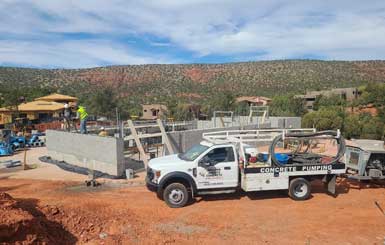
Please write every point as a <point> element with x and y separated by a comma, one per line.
<point>264,156</point>
<point>129,173</point>
<point>282,158</point>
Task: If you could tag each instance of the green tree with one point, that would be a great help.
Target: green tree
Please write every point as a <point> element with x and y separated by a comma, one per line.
<point>242,108</point>
<point>10,96</point>
<point>182,112</point>
<point>324,119</point>
<point>352,127</point>
<point>372,93</point>
<point>286,105</point>
<point>219,101</point>
<point>326,101</point>
<point>372,128</point>
<point>102,103</point>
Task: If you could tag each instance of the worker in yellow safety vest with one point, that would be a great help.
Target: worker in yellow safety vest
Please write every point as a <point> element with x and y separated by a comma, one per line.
<point>82,114</point>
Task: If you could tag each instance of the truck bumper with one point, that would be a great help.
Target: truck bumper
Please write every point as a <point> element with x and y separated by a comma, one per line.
<point>151,185</point>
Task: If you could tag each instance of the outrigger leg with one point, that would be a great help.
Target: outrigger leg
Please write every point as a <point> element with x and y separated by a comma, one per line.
<point>330,183</point>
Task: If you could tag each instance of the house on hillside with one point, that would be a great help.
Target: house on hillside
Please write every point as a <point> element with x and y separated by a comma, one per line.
<point>43,109</point>
<point>347,94</point>
<point>254,100</point>
<point>153,111</point>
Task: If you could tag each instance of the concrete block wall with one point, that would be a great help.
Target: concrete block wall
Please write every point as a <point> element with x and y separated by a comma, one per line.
<point>285,122</point>
<point>183,140</point>
<point>276,122</point>
<point>105,154</point>
<point>237,122</point>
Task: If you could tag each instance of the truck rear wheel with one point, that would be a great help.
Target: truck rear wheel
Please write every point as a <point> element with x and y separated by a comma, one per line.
<point>176,195</point>
<point>299,189</point>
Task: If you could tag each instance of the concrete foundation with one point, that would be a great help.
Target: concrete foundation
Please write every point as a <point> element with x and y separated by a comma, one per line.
<point>104,154</point>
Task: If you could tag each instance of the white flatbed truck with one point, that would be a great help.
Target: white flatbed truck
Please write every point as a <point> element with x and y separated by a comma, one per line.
<point>221,163</point>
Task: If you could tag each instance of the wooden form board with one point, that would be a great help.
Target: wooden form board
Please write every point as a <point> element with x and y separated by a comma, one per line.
<point>165,137</point>
<point>137,137</point>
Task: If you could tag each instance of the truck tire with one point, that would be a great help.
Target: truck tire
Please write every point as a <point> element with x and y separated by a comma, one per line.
<point>176,195</point>
<point>299,189</point>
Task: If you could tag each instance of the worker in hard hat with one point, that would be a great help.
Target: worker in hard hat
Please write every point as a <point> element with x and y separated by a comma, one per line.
<point>103,132</point>
<point>82,115</point>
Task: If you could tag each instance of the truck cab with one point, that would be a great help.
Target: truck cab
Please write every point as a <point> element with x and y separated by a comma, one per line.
<point>206,167</point>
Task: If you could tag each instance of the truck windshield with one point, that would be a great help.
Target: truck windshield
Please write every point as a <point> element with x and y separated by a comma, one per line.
<point>192,153</point>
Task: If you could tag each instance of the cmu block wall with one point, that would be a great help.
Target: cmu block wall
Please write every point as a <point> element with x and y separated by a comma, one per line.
<point>285,122</point>
<point>183,140</point>
<point>91,151</point>
<point>276,122</point>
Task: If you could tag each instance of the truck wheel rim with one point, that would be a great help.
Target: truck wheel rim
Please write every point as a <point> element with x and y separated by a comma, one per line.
<point>176,196</point>
<point>300,190</point>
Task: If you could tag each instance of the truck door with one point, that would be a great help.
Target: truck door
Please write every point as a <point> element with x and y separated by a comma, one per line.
<point>218,168</point>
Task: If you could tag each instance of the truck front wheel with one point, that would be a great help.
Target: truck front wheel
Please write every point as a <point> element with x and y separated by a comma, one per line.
<point>299,189</point>
<point>176,195</point>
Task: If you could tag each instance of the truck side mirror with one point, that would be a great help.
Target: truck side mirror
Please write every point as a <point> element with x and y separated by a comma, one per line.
<point>205,162</point>
<point>202,162</point>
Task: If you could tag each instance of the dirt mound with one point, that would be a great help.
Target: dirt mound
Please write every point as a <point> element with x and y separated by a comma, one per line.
<point>22,222</point>
<point>6,200</point>
<point>136,216</point>
<point>28,221</point>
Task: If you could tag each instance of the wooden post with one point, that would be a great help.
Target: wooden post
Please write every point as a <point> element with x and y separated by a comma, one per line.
<point>137,142</point>
<point>222,121</point>
<point>263,117</point>
<point>251,115</point>
<point>165,137</point>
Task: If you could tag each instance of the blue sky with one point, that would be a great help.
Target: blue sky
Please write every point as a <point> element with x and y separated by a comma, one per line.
<point>89,33</point>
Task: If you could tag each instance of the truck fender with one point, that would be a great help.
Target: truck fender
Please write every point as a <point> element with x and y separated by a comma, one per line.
<point>177,175</point>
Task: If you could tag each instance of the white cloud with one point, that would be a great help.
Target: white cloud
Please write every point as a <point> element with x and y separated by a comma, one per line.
<point>278,29</point>
<point>72,54</point>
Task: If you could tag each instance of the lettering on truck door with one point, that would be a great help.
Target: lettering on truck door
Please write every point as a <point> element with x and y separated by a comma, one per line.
<point>218,168</point>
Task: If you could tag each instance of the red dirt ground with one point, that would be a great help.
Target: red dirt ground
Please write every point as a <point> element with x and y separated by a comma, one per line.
<point>54,212</point>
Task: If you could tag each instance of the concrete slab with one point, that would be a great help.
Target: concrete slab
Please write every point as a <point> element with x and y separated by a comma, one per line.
<point>42,171</point>
<point>46,171</point>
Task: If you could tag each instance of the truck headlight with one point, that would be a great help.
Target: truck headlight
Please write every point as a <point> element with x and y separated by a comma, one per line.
<point>157,173</point>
